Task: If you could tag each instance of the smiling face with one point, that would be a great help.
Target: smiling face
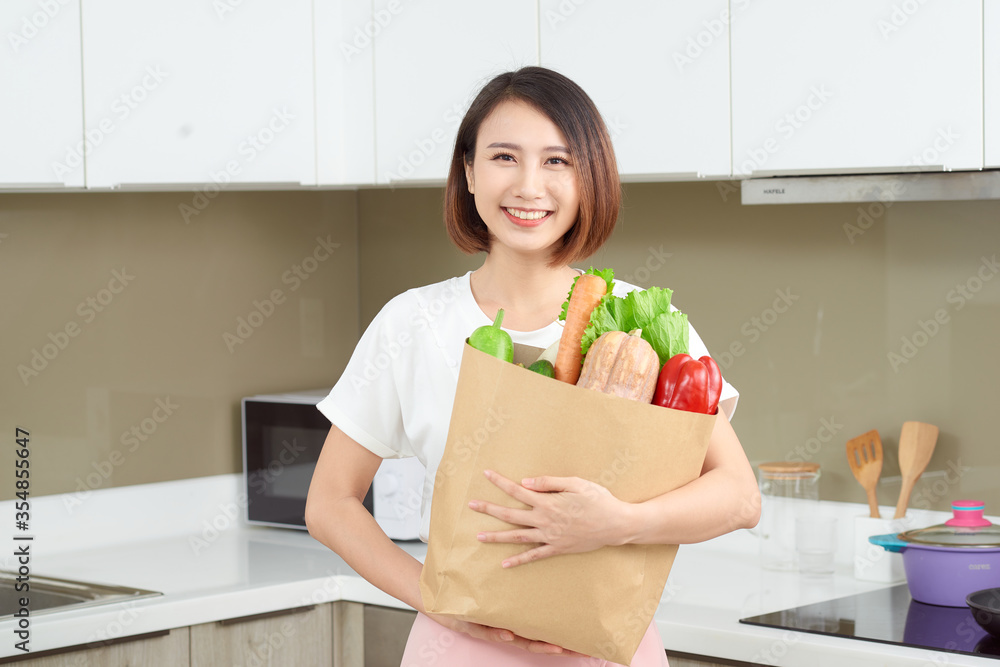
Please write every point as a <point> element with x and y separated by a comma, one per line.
<point>524,181</point>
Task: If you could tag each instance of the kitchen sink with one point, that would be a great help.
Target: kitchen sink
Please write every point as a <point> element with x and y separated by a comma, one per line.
<point>47,594</point>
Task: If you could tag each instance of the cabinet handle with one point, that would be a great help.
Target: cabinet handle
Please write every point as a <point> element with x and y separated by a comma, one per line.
<point>266,614</point>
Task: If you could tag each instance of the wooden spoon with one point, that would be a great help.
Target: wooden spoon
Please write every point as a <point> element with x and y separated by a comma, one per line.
<point>916,444</point>
<point>864,455</point>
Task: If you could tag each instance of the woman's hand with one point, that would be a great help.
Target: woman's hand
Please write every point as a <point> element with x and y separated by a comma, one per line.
<point>566,515</point>
<point>500,635</point>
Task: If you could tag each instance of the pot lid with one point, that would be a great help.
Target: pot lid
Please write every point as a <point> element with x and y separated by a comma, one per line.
<point>966,528</point>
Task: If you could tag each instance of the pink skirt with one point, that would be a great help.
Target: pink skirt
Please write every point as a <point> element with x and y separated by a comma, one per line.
<point>432,645</point>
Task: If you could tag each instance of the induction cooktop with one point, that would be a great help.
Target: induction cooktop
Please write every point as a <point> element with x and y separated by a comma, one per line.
<point>889,616</point>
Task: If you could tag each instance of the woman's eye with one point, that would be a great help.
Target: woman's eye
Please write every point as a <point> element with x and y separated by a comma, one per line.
<point>558,160</point>
<point>504,157</point>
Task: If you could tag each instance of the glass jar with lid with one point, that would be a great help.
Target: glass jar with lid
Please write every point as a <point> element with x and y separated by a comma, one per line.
<point>788,490</point>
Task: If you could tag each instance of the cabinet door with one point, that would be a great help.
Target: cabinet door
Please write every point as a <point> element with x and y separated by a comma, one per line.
<point>430,61</point>
<point>658,72</point>
<point>195,92</point>
<point>291,638</point>
<point>41,119</point>
<point>345,96</point>
<point>171,648</point>
<point>991,79</point>
<point>858,85</point>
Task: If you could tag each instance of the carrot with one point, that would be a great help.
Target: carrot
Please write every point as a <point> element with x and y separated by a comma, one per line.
<point>587,293</point>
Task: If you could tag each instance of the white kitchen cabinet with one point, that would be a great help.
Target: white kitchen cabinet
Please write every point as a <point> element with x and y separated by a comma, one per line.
<point>41,119</point>
<point>345,97</point>
<point>991,80</point>
<point>859,85</point>
<point>430,61</point>
<point>195,92</point>
<point>658,72</point>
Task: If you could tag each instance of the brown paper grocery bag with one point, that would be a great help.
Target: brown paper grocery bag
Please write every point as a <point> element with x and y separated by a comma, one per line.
<point>523,424</point>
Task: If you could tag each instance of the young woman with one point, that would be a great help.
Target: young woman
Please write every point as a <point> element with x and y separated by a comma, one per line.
<point>534,185</point>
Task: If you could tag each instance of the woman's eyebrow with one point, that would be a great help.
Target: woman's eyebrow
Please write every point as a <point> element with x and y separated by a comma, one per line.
<point>516,147</point>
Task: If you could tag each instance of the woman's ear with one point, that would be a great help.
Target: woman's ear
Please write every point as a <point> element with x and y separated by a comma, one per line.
<point>469,178</point>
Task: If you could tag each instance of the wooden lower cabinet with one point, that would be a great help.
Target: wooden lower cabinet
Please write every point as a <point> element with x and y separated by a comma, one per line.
<point>293,637</point>
<point>386,631</point>
<point>689,660</point>
<point>337,634</point>
<point>170,648</point>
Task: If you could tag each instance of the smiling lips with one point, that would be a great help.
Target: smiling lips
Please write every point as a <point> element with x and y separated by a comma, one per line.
<point>526,218</point>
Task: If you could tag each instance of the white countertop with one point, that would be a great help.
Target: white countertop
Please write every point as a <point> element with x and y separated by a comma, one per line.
<point>188,540</point>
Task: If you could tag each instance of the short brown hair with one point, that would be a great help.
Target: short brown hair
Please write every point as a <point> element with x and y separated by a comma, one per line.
<point>577,117</point>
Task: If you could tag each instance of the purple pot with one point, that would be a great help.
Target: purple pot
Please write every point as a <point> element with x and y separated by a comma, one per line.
<point>945,563</point>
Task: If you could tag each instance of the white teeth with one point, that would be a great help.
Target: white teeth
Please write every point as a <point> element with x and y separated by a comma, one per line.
<point>527,215</point>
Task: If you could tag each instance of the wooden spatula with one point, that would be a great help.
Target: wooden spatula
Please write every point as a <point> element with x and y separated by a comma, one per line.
<point>916,444</point>
<point>864,455</point>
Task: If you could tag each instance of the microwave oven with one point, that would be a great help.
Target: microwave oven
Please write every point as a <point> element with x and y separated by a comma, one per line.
<point>282,438</point>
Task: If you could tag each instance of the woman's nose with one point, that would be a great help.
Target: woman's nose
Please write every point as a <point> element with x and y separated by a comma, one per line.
<point>530,183</point>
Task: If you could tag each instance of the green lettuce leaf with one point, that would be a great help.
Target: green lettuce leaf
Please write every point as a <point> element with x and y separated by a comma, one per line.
<point>668,334</point>
<point>649,310</point>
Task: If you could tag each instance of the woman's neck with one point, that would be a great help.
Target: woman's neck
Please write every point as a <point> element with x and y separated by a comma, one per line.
<point>530,292</point>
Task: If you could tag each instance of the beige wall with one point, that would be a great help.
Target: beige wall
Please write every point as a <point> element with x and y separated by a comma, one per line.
<point>158,334</point>
<point>811,377</point>
<point>818,373</point>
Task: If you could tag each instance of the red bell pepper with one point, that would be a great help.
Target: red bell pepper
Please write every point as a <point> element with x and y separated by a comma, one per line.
<point>686,383</point>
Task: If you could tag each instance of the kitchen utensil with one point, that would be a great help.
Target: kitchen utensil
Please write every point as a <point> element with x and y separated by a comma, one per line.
<point>788,489</point>
<point>985,606</point>
<point>946,562</point>
<point>916,444</point>
<point>864,455</point>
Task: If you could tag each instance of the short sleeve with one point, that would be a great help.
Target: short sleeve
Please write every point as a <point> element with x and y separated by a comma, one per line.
<point>365,402</point>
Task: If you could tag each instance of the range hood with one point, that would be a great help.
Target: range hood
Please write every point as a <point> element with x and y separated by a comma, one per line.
<point>835,189</point>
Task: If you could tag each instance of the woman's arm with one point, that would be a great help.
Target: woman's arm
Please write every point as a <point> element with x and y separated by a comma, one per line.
<point>336,517</point>
<point>723,499</point>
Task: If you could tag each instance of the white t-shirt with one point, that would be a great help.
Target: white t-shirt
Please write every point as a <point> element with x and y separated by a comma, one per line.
<point>396,394</point>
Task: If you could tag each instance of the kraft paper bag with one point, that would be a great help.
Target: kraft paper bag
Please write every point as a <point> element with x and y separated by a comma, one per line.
<point>522,424</point>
